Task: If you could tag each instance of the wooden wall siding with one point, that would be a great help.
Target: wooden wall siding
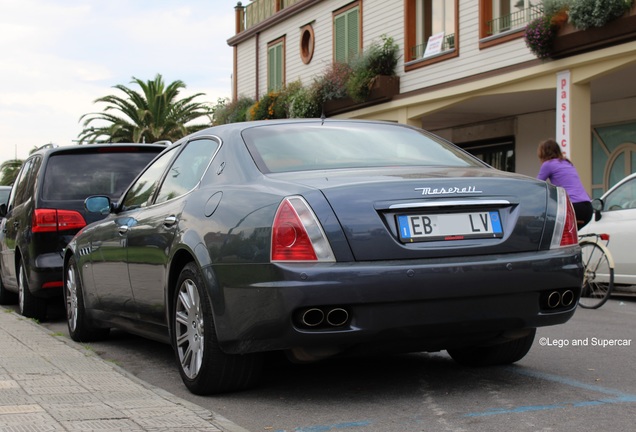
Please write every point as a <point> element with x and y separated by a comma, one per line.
<point>246,74</point>
<point>320,19</point>
<point>379,17</point>
<point>471,60</point>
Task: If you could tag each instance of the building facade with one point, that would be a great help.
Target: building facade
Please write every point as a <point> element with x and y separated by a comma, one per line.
<point>465,73</point>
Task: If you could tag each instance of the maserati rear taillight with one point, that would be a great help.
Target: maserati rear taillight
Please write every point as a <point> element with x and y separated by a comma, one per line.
<point>565,231</point>
<point>51,220</point>
<point>297,234</point>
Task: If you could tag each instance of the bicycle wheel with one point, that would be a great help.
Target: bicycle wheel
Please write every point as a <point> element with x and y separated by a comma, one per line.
<point>598,281</point>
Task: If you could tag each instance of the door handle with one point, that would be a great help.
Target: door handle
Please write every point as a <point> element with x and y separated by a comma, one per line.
<point>170,220</point>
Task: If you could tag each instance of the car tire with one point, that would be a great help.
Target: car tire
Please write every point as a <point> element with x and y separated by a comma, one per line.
<point>79,327</point>
<point>30,306</point>
<point>492,355</point>
<point>7,297</point>
<point>204,367</point>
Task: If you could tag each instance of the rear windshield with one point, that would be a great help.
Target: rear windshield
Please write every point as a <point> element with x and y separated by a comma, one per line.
<point>77,176</point>
<point>314,146</point>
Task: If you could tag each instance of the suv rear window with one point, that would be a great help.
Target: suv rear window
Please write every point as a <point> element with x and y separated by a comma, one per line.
<point>72,176</point>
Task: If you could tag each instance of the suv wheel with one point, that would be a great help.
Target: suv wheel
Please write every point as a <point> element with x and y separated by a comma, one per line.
<point>30,305</point>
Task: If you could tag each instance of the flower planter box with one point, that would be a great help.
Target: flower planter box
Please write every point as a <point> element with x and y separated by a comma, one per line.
<point>571,41</point>
<point>383,89</point>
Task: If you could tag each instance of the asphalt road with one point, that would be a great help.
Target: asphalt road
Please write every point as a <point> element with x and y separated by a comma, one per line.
<point>580,376</point>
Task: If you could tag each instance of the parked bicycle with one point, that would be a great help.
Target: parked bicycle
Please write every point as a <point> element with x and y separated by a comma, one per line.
<point>598,281</point>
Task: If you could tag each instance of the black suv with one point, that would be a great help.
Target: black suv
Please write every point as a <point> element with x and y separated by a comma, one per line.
<point>46,209</point>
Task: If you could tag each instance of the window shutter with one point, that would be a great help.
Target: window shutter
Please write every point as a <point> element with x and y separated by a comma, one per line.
<point>341,38</point>
<point>275,67</point>
<point>271,67</point>
<point>353,41</point>
<point>278,84</point>
<point>347,35</point>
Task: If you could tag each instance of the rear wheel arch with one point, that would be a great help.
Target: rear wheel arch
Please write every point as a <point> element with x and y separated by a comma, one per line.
<point>203,366</point>
<point>180,259</point>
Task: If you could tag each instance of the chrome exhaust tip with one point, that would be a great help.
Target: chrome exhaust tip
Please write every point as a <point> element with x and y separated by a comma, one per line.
<point>337,317</point>
<point>554,299</point>
<point>567,298</point>
<point>312,317</point>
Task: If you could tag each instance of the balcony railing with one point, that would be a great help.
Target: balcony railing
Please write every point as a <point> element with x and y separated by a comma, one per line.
<point>515,20</point>
<point>259,10</point>
<point>418,50</point>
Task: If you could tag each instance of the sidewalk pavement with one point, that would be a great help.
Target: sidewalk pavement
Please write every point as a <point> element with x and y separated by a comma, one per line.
<point>50,383</point>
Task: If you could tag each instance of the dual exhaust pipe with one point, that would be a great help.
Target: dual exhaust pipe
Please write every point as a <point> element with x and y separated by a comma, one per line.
<point>557,299</point>
<point>330,317</point>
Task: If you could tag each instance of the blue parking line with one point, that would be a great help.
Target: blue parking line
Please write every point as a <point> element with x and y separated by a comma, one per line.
<point>326,428</point>
<point>619,397</point>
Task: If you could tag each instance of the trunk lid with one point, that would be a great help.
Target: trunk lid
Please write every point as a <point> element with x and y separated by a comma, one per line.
<point>436,212</point>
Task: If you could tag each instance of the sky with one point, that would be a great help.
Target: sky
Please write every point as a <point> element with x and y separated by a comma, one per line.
<point>58,56</point>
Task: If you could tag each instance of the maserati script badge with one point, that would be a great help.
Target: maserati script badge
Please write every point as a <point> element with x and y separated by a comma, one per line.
<point>450,190</point>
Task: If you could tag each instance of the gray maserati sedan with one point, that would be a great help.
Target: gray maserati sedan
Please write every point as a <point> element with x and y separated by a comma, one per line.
<point>323,238</point>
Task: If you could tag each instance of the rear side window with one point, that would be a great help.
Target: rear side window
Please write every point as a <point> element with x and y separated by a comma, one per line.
<point>23,187</point>
<point>187,169</point>
<point>75,176</point>
<point>316,146</point>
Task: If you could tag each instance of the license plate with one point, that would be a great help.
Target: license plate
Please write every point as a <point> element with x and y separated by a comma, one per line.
<point>449,226</point>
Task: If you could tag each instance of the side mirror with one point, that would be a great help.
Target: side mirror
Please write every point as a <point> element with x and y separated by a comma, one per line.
<point>597,205</point>
<point>98,204</point>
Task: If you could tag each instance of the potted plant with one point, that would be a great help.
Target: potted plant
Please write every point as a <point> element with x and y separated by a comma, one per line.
<point>585,14</point>
<point>378,62</point>
<point>371,79</point>
<point>539,35</point>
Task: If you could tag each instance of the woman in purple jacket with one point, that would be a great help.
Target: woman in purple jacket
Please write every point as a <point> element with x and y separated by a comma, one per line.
<point>561,172</point>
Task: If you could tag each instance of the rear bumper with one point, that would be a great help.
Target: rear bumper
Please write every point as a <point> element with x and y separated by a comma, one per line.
<point>45,275</point>
<point>426,304</point>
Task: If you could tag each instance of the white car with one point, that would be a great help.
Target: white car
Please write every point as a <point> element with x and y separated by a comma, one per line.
<point>616,216</point>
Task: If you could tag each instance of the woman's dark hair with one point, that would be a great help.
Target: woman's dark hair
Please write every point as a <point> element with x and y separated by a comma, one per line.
<point>549,149</point>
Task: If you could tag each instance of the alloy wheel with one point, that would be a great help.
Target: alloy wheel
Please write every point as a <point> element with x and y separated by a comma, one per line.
<point>70,294</point>
<point>189,329</point>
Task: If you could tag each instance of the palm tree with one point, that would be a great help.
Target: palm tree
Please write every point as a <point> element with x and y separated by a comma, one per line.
<point>9,171</point>
<point>151,116</point>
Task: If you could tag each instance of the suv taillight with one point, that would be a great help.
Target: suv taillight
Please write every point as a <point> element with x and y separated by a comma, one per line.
<point>49,220</point>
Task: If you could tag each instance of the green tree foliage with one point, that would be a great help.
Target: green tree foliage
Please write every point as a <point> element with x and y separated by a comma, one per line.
<point>154,114</point>
<point>226,111</point>
<point>9,171</point>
